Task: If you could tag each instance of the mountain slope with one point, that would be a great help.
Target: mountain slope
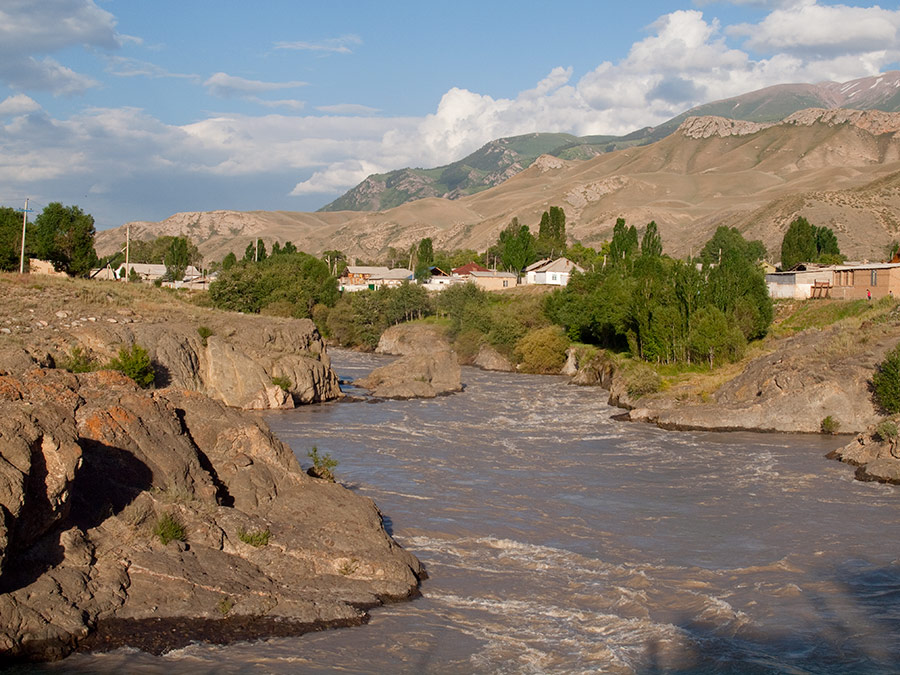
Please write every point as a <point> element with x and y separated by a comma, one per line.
<point>501,159</point>
<point>837,167</point>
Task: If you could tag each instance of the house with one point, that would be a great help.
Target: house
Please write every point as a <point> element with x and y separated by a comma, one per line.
<point>467,269</point>
<point>553,273</point>
<point>532,269</point>
<point>492,280</point>
<point>360,278</point>
<point>799,283</point>
<point>850,281</point>
<point>151,272</point>
<point>438,281</point>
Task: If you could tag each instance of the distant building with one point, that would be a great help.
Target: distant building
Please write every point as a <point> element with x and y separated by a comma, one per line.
<point>360,278</point>
<point>36,266</point>
<point>438,281</point>
<point>850,281</point>
<point>151,272</point>
<point>551,272</point>
<point>467,269</point>
<point>492,280</point>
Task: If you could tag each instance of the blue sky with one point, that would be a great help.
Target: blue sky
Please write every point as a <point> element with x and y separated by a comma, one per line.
<point>138,110</point>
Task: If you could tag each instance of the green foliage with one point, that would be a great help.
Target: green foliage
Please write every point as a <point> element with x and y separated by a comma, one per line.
<point>642,380</point>
<point>10,239</point>
<point>154,251</point>
<point>886,382</point>
<point>135,363</point>
<point>225,606</point>
<point>516,247</point>
<point>169,528</point>
<point>78,361</point>
<point>543,350</point>
<point>623,246</point>
<point>807,243</point>
<point>829,425</point>
<point>651,244</point>
<point>64,235</point>
<point>551,240</point>
<point>713,338</point>
<point>229,261</point>
<point>323,465</point>
<point>133,276</point>
<point>256,538</point>
<point>177,258</point>
<point>298,279</point>
<point>282,382</point>
<point>358,319</point>
<point>886,430</point>
<point>729,242</point>
<point>205,333</point>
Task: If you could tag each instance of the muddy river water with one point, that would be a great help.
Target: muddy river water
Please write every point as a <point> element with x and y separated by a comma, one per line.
<point>560,540</point>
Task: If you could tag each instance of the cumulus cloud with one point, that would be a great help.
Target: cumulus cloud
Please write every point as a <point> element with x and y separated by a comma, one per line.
<point>338,176</point>
<point>19,104</point>
<point>227,86</point>
<point>29,29</point>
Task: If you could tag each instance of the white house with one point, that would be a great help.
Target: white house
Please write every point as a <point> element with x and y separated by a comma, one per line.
<point>533,268</point>
<point>360,277</point>
<point>553,273</point>
<point>801,283</point>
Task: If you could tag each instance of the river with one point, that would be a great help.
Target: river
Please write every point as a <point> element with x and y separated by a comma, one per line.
<point>560,540</point>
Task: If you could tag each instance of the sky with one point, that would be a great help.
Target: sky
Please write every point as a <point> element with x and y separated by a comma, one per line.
<point>139,110</point>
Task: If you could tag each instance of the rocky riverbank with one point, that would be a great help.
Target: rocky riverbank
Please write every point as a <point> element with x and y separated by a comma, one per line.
<point>155,517</point>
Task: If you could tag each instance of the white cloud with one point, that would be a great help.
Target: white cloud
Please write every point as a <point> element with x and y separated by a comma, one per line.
<point>19,104</point>
<point>338,176</point>
<point>826,32</point>
<point>290,103</point>
<point>224,85</point>
<point>29,28</point>
<point>124,66</point>
<point>332,46</point>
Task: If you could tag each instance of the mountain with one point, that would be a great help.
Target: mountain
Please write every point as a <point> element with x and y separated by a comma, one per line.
<point>839,168</point>
<point>501,159</point>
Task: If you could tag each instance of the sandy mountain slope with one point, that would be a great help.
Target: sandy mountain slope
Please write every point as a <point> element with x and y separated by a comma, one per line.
<point>834,166</point>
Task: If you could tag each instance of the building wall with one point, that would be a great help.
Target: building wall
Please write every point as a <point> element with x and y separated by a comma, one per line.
<point>853,284</point>
<point>493,283</point>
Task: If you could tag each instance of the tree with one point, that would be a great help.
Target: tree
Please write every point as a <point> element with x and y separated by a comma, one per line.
<point>516,247</point>
<point>64,235</point>
<point>424,258</point>
<point>799,244</point>
<point>229,261</point>
<point>651,244</point>
<point>886,382</point>
<point>728,241</point>
<point>623,246</point>
<point>335,260</point>
<point>177,259</point>
<point>10,239</point>
<point>552,232</point>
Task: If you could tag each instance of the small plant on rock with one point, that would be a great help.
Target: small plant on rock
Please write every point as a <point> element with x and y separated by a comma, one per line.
<point>887,431</point>
<point>886,381</point>
<point>136,364</point>
<point>169,528</point>
<point>204,333</point>
<point>829,425</point>
<point>225,606</point>
<point>257,538</point>
<point>78,361</point>
<point>322,465</point>
<point>282,382</point>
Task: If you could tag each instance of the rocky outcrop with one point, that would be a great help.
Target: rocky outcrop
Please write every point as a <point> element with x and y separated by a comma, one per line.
<point>253,363</point>
<point>876,458</point>
<point>412,338</point>
<point>489,358</point>
<point>415,376</point>
<point>93,473</point>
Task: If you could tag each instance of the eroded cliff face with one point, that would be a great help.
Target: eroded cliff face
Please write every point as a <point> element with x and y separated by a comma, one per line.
<point>90,465</point>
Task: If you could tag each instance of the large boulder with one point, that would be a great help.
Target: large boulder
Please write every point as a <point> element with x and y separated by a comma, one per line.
<point>489,358</point>
<point>876,459</point>
<point>415,376</point>
<point>412,338</point>
<point>92,467</point>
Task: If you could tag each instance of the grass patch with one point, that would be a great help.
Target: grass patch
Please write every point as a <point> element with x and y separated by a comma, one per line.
<point>256,538</point>
<point>282,382</point>
<point>169,528</point>
<point>78,361</point>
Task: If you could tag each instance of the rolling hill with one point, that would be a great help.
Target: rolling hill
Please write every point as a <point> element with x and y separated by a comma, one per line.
<point>839,168</point>
<point>500,159</point>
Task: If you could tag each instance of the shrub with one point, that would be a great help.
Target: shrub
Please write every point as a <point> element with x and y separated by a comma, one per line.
<point>282,382</point>
<point>78,361</point>
<point>225,605</point>
<point>642,380</point>
<point>204,333</point>
<point>322,465</point>
<point>169,528</point>
<point>257,538</point>
<point>886,431</point>
<point>830,425</point>
<point>136,364</point>
<point>543,350</point>
<point>886,381</point>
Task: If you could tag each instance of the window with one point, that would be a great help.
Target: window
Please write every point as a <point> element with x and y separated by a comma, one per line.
<point>505,283</point>
<point>874,277</point>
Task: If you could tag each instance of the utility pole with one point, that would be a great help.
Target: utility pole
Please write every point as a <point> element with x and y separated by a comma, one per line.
<point>127,251</point>
<point>24,223</point>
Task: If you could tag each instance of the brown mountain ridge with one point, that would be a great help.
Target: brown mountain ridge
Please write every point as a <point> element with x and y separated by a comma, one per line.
<point>837,167</point>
